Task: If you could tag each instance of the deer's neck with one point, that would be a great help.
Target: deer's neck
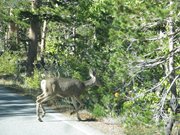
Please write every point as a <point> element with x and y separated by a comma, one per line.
<point>90,82</point>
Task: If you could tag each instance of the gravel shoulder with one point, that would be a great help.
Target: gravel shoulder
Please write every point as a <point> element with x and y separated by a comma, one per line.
<point>108,126</point>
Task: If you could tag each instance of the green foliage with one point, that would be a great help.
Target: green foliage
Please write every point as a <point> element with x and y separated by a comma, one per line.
<point>33,82</point>
<point>111,104</point>
<point>8,63</point>
<point>144,130</point>
<point>140,110</point>
<point>98,110</point>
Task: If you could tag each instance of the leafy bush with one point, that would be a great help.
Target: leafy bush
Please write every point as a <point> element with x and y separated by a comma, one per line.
<point>8,63</point>
<point>140,110</point>
<point>34,81</point>
<point>98,110</point>
<point>144,130</point>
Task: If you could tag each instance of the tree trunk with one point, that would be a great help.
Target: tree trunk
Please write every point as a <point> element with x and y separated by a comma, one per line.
<point>173,100</point>
<point>33,36</point>
<point>43,37</point>
<point>43,43</point>
<point>12,31</point>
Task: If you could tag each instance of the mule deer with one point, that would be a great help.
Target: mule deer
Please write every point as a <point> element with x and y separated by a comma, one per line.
<point>63,87</point>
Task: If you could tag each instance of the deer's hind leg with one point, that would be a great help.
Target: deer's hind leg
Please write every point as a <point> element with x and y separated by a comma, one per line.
<point>76,100</point>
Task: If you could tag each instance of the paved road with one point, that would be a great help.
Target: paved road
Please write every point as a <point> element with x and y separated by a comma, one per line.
<point>17,117</point>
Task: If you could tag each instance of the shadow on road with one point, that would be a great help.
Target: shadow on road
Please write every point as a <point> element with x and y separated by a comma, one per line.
<point>11,104</point>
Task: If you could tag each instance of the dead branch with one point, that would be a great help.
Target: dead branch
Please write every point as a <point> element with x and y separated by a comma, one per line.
<point>162,36</point>
<point>157,61</point>
<point>150,25</point>
<point>156,85</point>
<point>163,99</point>
<point>155,38</point>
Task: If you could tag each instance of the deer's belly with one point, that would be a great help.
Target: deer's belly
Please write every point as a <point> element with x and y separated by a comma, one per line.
<point>68,94</point>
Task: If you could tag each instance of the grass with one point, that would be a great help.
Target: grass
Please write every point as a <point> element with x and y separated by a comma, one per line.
<point>12,83</point>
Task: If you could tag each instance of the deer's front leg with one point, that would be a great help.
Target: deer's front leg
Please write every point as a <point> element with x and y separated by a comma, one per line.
<point>40,108</point>
<point>40,111</point>
<point>40,96</point>
<point>38,105</point>
<point>43,110</point>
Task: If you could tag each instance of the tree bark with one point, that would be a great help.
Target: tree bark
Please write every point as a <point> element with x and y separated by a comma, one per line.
<point>43,38</point>
<point>11,31</point>
<point>173,100</point>
<point>33,36</point>
<point>43,43</point>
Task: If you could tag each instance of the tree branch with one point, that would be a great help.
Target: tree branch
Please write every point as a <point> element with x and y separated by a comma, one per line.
<point>157,85</point>
<point>154,62</point>
<point>165,95</point>
<point>162,36</point>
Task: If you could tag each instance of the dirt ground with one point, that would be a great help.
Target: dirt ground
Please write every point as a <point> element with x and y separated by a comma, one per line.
<point>108,126</point>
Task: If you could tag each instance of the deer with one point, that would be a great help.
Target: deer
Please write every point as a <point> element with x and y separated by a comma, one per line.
<point>63,87</point>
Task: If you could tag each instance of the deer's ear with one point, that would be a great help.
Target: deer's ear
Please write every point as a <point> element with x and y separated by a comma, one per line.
<point>94,73</point>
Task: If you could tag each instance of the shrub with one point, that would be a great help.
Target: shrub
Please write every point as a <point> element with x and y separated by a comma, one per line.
<point>144,130</point>
<point>34,81</point>
<point>8,63</point>
<point>98,110</point>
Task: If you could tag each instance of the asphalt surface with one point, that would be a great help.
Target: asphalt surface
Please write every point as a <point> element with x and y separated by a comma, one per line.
<point>18,117</point>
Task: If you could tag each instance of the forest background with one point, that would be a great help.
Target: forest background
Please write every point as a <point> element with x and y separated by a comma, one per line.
<point>133,45</point>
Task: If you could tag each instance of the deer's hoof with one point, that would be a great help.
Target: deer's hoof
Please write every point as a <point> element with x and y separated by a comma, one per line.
<point>72,113</point>
<point>40,120</point>
<point>79,118</point>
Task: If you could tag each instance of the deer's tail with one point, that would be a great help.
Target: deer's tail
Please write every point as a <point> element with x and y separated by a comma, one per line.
<point>43,85</point>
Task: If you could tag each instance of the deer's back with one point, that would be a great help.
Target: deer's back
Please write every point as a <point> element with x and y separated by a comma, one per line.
<point>65,87</point>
